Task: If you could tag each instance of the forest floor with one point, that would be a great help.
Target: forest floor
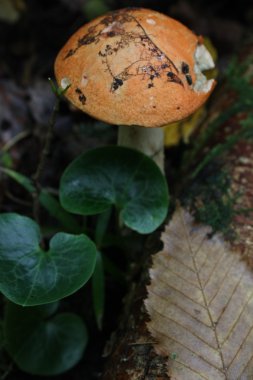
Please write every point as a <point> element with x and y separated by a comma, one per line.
<point>31,34</point>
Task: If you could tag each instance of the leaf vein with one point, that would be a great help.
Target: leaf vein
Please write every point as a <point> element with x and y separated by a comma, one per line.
<point>239,316</point>
<point>182,278</point>
<point>180,262</point>
<point>179,307</point>
<point>185,295</point>
<point>222,283</point>
<point>251,328</point>
<point>220,258</point>
<point>166,317</point>
<point>203,295</point>
<point>191,369</point>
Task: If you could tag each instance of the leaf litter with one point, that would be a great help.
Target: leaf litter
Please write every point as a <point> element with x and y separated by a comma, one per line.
<point>200,303</point>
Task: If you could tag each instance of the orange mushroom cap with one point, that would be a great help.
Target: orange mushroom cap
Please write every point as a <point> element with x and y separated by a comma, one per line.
<point>134,66</point>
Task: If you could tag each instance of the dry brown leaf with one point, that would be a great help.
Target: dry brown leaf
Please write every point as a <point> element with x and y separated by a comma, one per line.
<point>200,303</point>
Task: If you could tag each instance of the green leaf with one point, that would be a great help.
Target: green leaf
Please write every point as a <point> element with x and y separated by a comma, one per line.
<point>46,200</point>
<point>98,290</point>
<point>41,343</point>
<point>31,276</point>
<point>116,176</point>
<point>19,178</point>
<point>6,159</point>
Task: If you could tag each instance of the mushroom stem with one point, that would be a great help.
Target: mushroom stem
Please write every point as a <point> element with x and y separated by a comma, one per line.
<point>149,141</point>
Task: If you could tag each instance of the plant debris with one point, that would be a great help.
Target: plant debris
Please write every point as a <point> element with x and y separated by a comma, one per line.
<point>200,301</point>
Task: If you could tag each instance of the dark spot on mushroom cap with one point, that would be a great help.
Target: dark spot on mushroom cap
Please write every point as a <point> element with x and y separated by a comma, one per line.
<point>185,68</point>
<point>189,79</point>
<point>174,78</point>
<point>81,96</point>
<point>69,53</point>
<point>117,82</point>
<point>82,99</point>
<point>111,34</point>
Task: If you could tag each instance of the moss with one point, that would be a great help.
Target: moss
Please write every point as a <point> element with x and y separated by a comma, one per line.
<point>245,133</point>
<point>238,78</point>
<point>210,198</point>
<point>208,191</point>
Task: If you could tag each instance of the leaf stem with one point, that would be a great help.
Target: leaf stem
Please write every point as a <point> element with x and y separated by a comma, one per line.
<point>14,140</point>
<point>58,91</point>
<point>42,161</point>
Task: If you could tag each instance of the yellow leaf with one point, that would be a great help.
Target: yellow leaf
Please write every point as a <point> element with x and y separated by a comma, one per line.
<point>172,135</point>
<point>210,47</point>
<point>200,303</point>
<point>182,130</point>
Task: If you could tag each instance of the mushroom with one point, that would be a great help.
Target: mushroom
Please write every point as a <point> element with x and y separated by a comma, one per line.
<point>138,69</point>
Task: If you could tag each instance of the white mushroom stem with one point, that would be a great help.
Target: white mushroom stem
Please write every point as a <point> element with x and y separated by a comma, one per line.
<point>149,141</point>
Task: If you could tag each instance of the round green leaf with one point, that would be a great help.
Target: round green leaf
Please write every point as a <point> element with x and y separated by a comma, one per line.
<point>43,345</point>
<point>31,276</point>
<point>116,176</point>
